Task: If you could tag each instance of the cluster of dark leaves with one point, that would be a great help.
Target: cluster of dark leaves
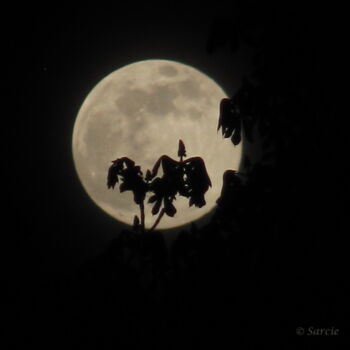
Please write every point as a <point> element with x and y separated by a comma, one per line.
<point>131,177</point>
<point>252,105</point>
<point>284,86</point>
<point>245,196</point>
<point>187,178</point>
<point>287,103</point>
<point>240,110</point>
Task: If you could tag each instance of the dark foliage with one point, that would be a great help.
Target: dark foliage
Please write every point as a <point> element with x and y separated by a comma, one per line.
<point>131,177</point>
<point>182,150</point>
<point>166,188</point>
<point>274,256</point>
<point>197,181</point>
<point>242,110</point>
<point>187,178</point>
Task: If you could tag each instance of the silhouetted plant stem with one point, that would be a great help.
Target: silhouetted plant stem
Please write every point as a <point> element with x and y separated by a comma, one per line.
<point>187,178</point>
<point>142,215</point>
<point>158,220</point>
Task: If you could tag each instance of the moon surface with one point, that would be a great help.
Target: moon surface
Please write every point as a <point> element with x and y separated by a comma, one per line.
<point>141,111</point>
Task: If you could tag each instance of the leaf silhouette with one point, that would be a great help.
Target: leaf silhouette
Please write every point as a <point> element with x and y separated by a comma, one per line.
<point>112,177</point>
<point>169,208</point>
<point>182,150</point>
<point>236,136</point>
<point>172,174</point>
<point>188,178</point>
<point>136,223</point>
<point>149,176</point>
<point>197,181</point>
<point>240,112</point>
<point>156,207</point>
<point>164,189</point>
<point>226,110</point>
<point>229,121</point>
<point>158,190</point>
<point>232,184</point>
<point>131,177</point>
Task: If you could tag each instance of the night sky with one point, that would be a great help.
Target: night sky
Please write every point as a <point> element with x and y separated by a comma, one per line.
<point>57,55</point>
<point>60,56</point>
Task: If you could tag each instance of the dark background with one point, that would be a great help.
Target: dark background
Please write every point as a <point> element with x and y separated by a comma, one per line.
<point>60,55</point>
<point>279,265</point>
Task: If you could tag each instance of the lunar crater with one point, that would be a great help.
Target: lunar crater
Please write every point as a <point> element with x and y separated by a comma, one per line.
<point>168,71</point>
<point>190,88</point>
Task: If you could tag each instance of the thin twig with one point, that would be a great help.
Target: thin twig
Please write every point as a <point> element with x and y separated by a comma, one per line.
<point>158,220</point>
<point>142,215</point>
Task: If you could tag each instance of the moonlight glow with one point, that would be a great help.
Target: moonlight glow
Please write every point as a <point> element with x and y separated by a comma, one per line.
<point>141,111</point>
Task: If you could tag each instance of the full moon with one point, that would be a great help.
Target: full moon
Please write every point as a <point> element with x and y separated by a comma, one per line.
<point>141,111</point>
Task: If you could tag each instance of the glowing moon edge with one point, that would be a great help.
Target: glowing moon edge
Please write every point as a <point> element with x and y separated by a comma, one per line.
<point>141,110</point>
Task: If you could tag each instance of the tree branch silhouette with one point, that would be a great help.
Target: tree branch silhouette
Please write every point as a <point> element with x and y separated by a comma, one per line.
<point>187,178</point>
